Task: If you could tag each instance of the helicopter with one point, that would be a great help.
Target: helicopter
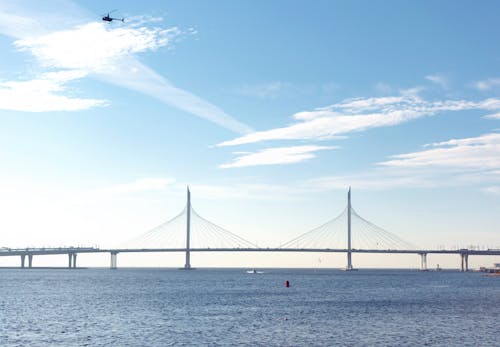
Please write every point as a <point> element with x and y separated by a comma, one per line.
<point>107,18</point>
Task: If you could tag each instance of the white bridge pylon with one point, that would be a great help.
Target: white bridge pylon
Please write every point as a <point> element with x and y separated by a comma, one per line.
<point>349,232</point>
<point>189,231</point>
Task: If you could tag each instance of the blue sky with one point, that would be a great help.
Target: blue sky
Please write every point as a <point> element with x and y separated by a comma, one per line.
<point>269,110</point>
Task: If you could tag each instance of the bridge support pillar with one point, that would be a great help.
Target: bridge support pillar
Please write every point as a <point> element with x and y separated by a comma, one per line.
<point>187,265</point>
<point>349,249</point>
<point>349,261</point>
<point>30,260</point>
<point>69,260</point>
<point>74,260</point>
<point>113,260</point>
<point>423,261</point>
<point>464,266</point>
<point>23,256</point>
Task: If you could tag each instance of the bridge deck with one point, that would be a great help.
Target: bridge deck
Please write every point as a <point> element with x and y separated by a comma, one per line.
<point>54,251</point>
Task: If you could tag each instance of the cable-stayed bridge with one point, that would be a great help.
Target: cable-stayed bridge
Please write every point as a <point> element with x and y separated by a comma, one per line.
<point>189,232</point>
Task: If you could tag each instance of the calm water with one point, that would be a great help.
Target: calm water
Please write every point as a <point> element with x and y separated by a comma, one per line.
<point>147,307</point>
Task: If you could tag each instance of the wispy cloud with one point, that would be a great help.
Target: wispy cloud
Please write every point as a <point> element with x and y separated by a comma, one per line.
<point>45,93</point>
<point>438,79</point>
<point>487,84</point>
<point>482,152</point>
<point>354,115</point>
<point>141,20</point>
<point>276,89</point>
<point>266,90</point>
<point>136,76</point>
<point>462,162</point>
<point>472,162</point>
<point>107,52</point>
<point>383,88</point>
<point>492,116</point>
<point>94,47</point>
<point>279,155</point>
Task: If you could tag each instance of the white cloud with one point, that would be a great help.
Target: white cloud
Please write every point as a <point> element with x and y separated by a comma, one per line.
<point>481,153</point>
<point>492,116</point>
<point>383,88</point>
<point>266,90</point>
<point>273,156</point>
<point>94,47</point>
<point>487,84</point>
<point>354,115</point>
<point>108,53</point>
<point>276,89</point>
<point>438,79</point>
<point>468,162</point>
<point>44,94</point>
<point>140,20</point>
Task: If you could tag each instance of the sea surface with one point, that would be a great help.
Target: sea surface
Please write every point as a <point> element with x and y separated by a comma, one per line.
<point>226,307</point>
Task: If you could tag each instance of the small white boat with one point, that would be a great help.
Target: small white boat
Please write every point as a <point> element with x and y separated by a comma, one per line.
<point>254,272</point>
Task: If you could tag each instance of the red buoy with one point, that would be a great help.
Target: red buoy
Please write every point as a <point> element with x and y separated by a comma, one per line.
<point>287,284</point>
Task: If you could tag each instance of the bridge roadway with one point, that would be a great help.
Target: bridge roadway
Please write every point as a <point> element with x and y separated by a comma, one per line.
<point>305,250</point>
<point>73,251</point>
